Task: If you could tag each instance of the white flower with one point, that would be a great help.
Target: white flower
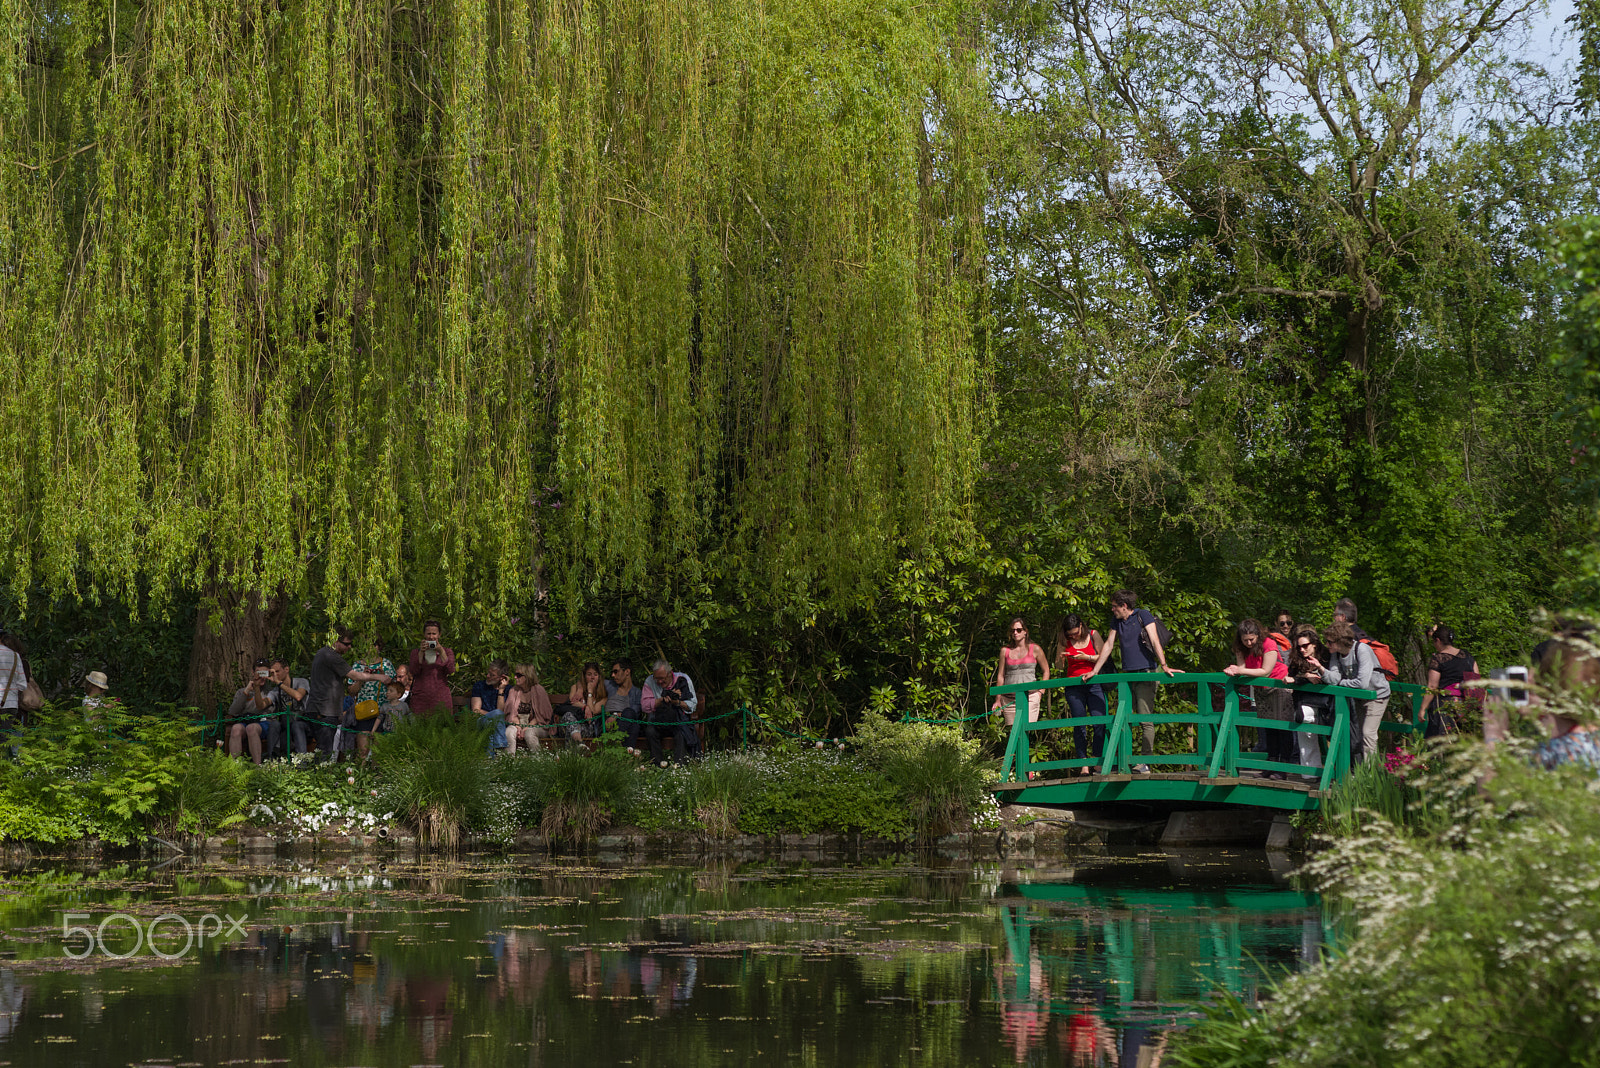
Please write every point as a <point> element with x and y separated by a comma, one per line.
<point>351,780</point>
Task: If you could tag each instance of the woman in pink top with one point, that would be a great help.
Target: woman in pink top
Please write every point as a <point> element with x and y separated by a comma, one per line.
<point>431,664</point>
<point>1020,661</point>
<point>1257,655</point>
<point>528,711</point>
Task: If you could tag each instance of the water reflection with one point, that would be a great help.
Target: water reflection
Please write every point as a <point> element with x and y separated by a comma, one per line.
<point>1113,956</point>
<point>904,965</point>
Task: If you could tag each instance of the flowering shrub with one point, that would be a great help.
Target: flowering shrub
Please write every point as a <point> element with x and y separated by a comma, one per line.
<point>311,797</point>
<point>1398,761</point>
<point>1475,942</point>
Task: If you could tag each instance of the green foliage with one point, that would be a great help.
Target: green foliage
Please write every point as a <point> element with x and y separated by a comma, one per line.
<point>104,777</point>
<point>1280,366</point>
<point>435,774</point>
<point>517,790</point>
<point>553,284</point>
<point>809,791</point>
<point>1489,916</point>
<point>306,795</point>
<point>1577,360</point>
<point>935,768</point>
<point>1370,791</point>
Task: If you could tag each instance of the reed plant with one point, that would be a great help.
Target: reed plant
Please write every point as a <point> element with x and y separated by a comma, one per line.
<point>718,788</point>
<point>435,774</point>
<point>584,792</point>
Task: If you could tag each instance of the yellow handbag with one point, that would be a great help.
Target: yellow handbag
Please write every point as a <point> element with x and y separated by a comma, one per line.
<point>366,709</point>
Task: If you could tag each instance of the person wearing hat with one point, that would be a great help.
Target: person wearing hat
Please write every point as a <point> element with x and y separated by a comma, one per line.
<point>95,685</point>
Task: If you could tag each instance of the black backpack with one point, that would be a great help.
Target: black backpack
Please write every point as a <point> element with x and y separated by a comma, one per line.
<point>1161,632</point>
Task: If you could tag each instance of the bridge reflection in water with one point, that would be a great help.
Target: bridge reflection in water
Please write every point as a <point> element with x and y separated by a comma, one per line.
<point>1113,969</point>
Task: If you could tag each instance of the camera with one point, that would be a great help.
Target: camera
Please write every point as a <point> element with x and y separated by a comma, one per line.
<point>263,673</point>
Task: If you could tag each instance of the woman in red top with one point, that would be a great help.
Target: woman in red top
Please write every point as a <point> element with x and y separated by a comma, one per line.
<point>431,664</point>
<point>1257,655</point>
<point>1077,648</point>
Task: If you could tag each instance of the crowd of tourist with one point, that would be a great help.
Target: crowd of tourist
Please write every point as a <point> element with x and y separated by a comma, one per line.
<point>349,696</point>
<point>1340,653</point>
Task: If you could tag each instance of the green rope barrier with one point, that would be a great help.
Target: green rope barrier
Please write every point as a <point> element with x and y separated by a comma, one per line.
<point>909,718</point>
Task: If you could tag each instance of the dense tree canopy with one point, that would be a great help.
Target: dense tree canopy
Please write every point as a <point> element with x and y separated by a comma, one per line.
<point>422,307</point>
<point>805,341</point>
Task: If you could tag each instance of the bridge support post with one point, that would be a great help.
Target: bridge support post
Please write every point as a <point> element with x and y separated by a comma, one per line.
<point>1218,826</point>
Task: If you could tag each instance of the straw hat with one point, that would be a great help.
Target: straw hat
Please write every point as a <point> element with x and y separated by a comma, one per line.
<point>98,678</point>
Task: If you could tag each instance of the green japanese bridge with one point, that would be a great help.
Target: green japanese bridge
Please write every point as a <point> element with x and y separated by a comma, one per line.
<point>1217,772</point>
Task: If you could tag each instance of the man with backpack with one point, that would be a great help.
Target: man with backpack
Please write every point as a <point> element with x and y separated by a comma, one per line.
<point>1344,611</point>
<point>1139,635</point>
<point>1352,662</point>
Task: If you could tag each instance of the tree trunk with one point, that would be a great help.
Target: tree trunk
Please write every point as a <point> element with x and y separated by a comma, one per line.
<point>231,630</point>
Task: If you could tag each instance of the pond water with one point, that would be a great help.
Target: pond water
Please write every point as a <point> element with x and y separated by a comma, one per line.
<point>581,962</point>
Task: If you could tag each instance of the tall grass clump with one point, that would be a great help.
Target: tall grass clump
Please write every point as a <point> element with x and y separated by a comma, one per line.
<point>584,792</point>
<point>936,767</point>
<point>210,791</point>
<point>435,772</point>
<point>1375,788</point>
<point>719,785</point>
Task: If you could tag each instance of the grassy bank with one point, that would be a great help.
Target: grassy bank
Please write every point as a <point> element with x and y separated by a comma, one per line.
<point>132,776</point>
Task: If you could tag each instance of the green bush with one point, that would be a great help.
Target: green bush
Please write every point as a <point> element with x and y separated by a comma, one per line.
<point>435,775</point>
<point>936,767</point>
<point>1475,941</point>
<point>807,791</point>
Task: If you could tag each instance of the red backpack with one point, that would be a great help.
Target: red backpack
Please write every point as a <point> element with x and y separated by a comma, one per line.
<point>1385,656</point>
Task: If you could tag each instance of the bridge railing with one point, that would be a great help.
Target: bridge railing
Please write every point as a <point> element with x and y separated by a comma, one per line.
<point>1218,714</point>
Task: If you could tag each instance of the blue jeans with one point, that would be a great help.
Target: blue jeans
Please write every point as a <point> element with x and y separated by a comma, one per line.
<point>496,719</point>
<point>1087,701</point>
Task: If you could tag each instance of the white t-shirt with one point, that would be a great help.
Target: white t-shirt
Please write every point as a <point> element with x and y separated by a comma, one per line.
<point>13,677</point>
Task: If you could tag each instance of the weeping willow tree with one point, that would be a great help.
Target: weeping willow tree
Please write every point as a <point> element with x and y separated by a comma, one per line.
<point>421,306</point>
